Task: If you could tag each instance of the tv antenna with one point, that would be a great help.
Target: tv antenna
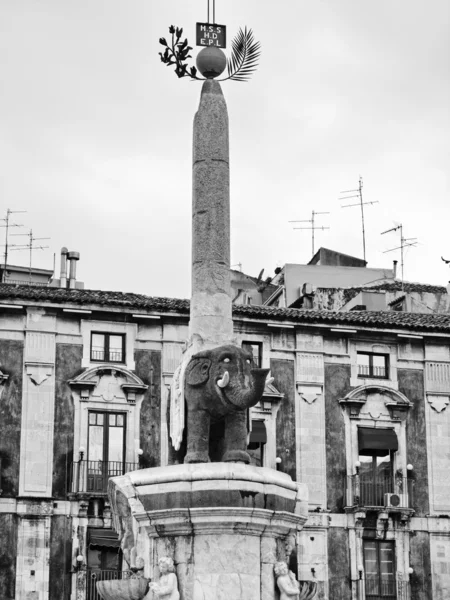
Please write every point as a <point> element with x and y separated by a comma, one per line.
<point>313,227</point>
<point>404,243</point>
<point>358,194</point>
<point>7,224</point>
<point>29,246</point>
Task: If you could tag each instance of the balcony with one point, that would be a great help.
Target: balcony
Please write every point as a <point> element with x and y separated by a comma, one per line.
<point>387,492</point>
<point>92,476</point>
<point>94,575</point>
<point>380,587</point>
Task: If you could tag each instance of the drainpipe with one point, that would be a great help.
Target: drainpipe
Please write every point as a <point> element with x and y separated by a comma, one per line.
<point>63,275</point>
<point>73,257</point>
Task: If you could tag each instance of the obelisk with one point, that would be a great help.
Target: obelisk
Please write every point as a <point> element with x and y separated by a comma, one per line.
<point>210,319</point>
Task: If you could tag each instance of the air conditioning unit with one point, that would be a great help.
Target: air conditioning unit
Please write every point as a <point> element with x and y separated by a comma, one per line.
<point>395,500</point>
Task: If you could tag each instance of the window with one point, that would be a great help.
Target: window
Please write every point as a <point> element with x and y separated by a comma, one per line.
<point>379,559</point>
<point>373,365</point>
<point>257,441</point>
<point>106,449</point>
<point>255,349</point>
<point>376,458</point>
<point>108,347</point>
<point>104,559</point>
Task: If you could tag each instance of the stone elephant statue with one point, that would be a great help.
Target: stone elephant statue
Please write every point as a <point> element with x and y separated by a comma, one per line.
<point>220,385</point>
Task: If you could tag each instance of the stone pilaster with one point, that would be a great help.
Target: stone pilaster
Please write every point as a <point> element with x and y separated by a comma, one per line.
<point>38,404</point>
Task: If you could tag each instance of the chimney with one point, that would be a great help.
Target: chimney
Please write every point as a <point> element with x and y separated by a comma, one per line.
<point>63,275</point>
<point>72,257</point>
<point>395,269</point>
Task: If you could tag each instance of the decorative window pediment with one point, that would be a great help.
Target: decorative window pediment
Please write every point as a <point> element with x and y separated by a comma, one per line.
<point>108,384</point>
<point>378,396</point>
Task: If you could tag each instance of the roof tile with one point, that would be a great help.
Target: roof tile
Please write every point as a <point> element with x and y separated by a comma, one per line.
<point>378,319</point>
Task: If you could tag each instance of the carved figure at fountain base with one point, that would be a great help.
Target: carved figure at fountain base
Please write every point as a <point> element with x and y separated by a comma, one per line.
<point>167,587</point>
<point>289,587</point>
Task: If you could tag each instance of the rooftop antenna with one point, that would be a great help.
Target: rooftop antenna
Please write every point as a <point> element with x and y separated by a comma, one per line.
<point>358,194</point>
<point>213,3</point>
<point>29,246</point>
<point>404,243</point>
<point>313,227</point>
<point>7,224</point>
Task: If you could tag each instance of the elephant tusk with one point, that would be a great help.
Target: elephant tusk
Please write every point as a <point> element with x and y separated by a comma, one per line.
<point>269,380</point>
<point>224,381</point>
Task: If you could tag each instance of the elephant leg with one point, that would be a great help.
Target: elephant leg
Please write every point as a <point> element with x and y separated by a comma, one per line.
<point>198,423</point>
<point>236,438</point>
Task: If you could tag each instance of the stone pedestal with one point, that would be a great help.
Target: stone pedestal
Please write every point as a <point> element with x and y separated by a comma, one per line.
<point>224,525</point>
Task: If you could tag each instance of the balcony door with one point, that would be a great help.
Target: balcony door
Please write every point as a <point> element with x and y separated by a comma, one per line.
<point>106,448</point>
<point>379,565</point>
<point>377,449</point>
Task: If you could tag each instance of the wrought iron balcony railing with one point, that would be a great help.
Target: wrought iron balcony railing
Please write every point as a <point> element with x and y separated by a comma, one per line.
<point>370,371</point>
<point>389,492</point>
<point>380,587</point>
<point>91,476</point>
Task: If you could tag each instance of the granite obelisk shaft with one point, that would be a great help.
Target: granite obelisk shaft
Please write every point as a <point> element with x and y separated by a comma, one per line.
<point>210,320</point>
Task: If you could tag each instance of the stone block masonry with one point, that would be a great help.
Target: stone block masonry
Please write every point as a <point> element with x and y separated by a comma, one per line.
<point>211,322</point>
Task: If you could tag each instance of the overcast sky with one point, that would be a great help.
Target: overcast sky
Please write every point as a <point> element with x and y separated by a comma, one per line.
<point>96,134</point>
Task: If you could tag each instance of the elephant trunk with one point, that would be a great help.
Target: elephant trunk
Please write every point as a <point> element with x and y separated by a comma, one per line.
<point>251,394</point>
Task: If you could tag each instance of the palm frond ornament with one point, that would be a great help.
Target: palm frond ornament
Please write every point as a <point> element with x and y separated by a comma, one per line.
<point>211,61</point>
<point>244,57</point>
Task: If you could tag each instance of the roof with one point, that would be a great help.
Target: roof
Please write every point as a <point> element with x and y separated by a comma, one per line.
<point>372,319</point>
<point>322,252</point>
<point>20,269</point>
<point>84,297</point>
<point>407,287</point>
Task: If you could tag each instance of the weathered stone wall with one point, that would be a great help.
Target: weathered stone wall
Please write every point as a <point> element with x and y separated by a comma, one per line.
<point>420,580</point>
<point>337,385</point>
<point>283,372</point>
<point>67,366</point>
<point>339,584</point>
<point>11,361</point>
<point>411,383</point>
<point>60,558</point>
<point>8,546</point>
<point>148,368</point>
<point>440,560</point>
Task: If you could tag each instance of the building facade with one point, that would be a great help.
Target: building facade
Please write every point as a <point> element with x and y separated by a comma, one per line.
<point>358,410</point>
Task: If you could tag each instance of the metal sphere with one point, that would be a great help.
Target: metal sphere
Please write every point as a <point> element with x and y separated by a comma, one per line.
<point>211,62</point>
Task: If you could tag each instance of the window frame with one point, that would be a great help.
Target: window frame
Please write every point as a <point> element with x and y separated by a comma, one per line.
<point>106,427</point>
<point>371,375</point>
<point>247,345</point>
<point>378,547</point>
<point>106,349</point>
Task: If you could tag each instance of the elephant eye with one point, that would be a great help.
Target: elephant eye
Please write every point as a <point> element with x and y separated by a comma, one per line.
<point>227,360</point>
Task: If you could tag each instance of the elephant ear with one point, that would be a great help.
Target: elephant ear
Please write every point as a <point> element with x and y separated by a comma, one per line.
<point>197,371</point>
